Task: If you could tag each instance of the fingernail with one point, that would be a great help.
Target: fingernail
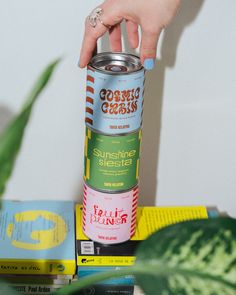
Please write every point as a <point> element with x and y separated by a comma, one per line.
<point>149,63</point>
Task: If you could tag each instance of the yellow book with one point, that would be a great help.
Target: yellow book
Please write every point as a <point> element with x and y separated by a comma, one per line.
<point>149,220</point>
<point>37,237</point>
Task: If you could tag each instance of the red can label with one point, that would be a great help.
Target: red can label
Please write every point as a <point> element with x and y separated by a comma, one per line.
<point>109,218</point>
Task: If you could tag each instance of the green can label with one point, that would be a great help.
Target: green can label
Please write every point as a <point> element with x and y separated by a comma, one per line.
<point>112,162</point>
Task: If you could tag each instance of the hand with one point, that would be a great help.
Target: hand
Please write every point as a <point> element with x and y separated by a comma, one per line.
<point>151,15</point>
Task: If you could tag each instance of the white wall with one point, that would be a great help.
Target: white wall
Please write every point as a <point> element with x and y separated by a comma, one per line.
<point>189,138</point>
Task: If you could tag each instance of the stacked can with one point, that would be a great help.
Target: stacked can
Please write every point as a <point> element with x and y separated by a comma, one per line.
<point>114,108</point>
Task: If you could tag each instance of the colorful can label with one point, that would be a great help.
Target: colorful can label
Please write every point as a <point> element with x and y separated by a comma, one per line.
<point>112,162</point>
<point>114,100</point>
<point>109,218</point>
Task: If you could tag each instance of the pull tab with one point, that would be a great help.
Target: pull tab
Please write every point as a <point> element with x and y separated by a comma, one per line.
<point>116,68</point>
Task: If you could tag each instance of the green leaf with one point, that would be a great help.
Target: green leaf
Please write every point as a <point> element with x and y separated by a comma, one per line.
<point>93,279</point>
<point>11,138</point>
<point>5,289</point>
<point>194,257</point>
<point>190,258</point>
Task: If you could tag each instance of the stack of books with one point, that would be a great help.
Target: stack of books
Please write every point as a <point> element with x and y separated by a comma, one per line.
<point>43,247</point>
<point>94,257</point>
<point>37,239</point>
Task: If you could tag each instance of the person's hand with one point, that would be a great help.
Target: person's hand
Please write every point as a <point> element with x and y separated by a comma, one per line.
<point>151,15</point>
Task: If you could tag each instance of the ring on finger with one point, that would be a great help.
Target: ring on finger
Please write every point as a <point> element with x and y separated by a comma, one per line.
<point>95,16</point>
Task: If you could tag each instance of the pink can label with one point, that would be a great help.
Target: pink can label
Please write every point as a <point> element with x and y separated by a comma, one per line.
<point>109,218</point>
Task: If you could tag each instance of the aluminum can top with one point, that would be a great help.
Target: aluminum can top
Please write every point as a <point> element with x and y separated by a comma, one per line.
<point>116,63</point>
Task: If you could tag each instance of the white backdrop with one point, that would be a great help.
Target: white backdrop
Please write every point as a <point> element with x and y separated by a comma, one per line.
<point>189,142</point>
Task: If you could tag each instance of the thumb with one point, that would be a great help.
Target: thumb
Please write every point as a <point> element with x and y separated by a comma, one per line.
<point>148,49</point>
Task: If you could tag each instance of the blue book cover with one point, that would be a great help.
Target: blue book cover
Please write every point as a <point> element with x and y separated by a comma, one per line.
<point>37,237</point>
<point>84,271</point>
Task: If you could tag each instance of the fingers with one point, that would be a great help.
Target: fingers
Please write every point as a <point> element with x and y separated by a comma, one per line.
<point>115,38</point>
<point>149,48</point>
<point>132,33</point>
<point>91,36</point>
<point>111,16</point>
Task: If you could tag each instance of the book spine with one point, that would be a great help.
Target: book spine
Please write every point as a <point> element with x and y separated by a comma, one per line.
<point>32,267</point>
<point>105,260</point>
<point>108,289</point>
<point>35,289</point>
<point>41,276</point>
<point>126,280</point>
<point>37,280</point>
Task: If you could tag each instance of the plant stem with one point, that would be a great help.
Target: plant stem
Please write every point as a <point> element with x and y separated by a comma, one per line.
<point>93,279</point>
<point>153,269</point>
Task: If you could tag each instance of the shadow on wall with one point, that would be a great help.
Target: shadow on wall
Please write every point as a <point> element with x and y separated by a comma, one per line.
<point>155,81</point>
<point>154,87</point>
<point>5,116</point>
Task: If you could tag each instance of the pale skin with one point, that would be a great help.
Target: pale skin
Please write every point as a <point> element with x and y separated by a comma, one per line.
<point>151,15</point>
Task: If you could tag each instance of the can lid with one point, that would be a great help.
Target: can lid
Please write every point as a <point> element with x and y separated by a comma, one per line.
<point>116,63</point>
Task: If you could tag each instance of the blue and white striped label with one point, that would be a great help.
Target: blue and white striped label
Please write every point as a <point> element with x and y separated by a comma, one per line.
<point>114,103</point>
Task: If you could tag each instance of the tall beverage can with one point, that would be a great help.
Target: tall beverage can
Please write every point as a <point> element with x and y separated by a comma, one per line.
<point>114,93</point>
<point>109,218</point>
<point>112,162</point>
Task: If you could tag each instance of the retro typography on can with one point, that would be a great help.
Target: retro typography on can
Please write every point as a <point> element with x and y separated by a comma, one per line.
<point>112,162</point>
<point>114,93</point>
<point>109,218</point>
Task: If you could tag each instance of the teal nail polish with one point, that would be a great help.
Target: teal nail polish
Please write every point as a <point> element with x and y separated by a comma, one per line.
<point>149,63</point>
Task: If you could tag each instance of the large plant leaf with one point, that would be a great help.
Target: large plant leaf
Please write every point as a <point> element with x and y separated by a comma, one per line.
<point>190,258</point>
<point>194,257</point>
<point>11,138</point>
<point>5,289</point>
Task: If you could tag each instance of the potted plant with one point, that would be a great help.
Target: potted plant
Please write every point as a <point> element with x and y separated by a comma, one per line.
<point>194,257</point>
